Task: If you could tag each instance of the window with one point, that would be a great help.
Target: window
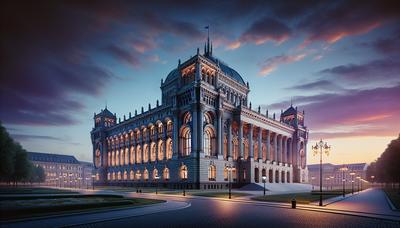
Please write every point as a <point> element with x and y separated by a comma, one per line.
<point>234,174</point>
<point>113,158</point>
<point>246,148</point>
<point>145,153</point>
<point>126,156</point>
<point>113,176</point>
<point>235,148</point>
<point>225,147</point>
<point>138,175</point>
<point>132,155</point>
<point>207,143</point>
<point>212,173</point>
<point>169,149</point>
<point>226,173</point>
<point>255,151</point>
<point>186,142</point>
<point>98,157</point>
<point>152,151</point>
<point>146,174</point>
<point>166,174</point>
<point>125,175</point>
<point>108,176</point>
<point>155,174</point>
<point>160,150</point>
<point>138,154</point>
<point>109,159</point>
<point>183,172</point>
<point>117,158</point>
<point>119,175</point>
<point>122,157</point>
<point>131,175</point>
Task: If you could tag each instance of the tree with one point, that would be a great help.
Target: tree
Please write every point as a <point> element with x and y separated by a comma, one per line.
<point>21,164</point>
<point>37,174</point>
<point>6,155</point>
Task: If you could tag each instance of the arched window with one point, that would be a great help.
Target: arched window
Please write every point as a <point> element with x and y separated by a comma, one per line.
<point>98,157</point>
<point>108,176</point>
<point>186,141</point>
<point>226,173</point>
<point>119,175</point>
<point>138,154</point>
<point>153,152</point>
<point>183,172</point>
<point>235,143</point>
<point>225,147</point>
<point>207,143</point>
<point>121,158</point>
<point>145,175</point>
<point>126,156</point>
<point>160,150</point>
<point>109,158</point>
<point>117,158</point>
<point>169,126</point>
<point>132,155</point>
<point>138,175</point>
<point>208,119</point>
<point>169,149</point>
<point>113,176</point>
<point>187,118</point>
<point>155,174</point>
<point>212,173</point>
<point>131,175</point>
<point>166,174</point>
<point>125,175</point>
<point>145,153</point>
<point>234,174</point>
<point>264,152</point>
<point>246,148</point>
<point>160,129</point>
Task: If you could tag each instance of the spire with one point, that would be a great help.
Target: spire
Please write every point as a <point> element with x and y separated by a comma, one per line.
<point>207,47</point>
<point>211,49</point>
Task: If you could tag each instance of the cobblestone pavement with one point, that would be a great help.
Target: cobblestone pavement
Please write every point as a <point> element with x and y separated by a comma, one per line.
<point>217,213</point>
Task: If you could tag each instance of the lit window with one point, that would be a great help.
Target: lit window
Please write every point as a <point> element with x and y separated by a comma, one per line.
<point>183,172</point>
<point>212,173</point>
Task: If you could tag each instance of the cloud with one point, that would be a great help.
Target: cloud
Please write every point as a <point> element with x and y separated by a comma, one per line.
<point>324,85</point>
<point>271,64</point>
<point>263,30</point>
<point>126,56</point>
<point>336,20</point>
<point>25,137</point>
<point>376,71</point>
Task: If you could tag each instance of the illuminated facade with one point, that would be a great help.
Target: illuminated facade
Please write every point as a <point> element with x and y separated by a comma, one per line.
<point>203,125</point>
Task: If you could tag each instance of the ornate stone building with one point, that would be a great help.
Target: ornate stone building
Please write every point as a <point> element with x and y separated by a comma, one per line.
<point>203,134</point>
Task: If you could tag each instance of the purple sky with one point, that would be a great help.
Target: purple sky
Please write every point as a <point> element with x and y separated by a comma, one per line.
<point>63,60</point>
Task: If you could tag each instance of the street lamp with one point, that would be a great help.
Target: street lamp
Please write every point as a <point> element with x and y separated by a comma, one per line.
<point>319,148</point>
<point>156,179</point>
<point>352,182</point>
<point>264,178</point>
<point>312,182</point>
<point>229,168</point>
<point>344,169</point>
<point>93,176</point>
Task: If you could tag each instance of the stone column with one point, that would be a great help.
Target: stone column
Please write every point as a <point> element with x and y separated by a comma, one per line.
<point>259,144</point>
<point>156,142</point>
<point>280,148</point>
<point>285,150</point>
<point>273,176</point>
<point>175,136</point>
<point>194,131</point>
<point>276,147</point>
<point>251,149</point>
<point>220,130</point>
<point>268,145</point>
<point>229,155</point>
<point>200,119</point>
<point>164,138</point>
<point>240,140</point>
<point>290,151</point>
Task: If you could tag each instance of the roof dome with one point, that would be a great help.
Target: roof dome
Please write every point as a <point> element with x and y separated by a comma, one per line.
<point>174,74</point>
<point>233,74</point>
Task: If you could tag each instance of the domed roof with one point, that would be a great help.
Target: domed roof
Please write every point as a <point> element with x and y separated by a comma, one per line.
<point>233,74</point>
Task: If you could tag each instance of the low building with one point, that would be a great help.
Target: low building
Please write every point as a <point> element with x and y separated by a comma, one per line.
<point>63,170</point>
<point>333,175</point>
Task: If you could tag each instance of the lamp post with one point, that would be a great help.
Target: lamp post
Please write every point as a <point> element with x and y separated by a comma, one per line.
<point>156,179</point>
<point>319,148</point>
<point>93,176</point>
<point>358,184</point>
<point>312,182</point>
<point>352,182</point>
<point>229,168</point>
<point>264,178</point>
<point>344,169</point>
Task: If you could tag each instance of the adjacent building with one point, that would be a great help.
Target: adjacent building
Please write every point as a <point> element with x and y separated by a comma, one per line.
<point>203,134</point>
<point>333,175</point>
<point>63,170</point>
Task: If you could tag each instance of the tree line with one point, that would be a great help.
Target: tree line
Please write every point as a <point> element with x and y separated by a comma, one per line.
<point>15,166</point>
<point>386,169</point>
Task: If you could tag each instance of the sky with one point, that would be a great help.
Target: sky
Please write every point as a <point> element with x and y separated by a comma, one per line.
<point>62,61</point>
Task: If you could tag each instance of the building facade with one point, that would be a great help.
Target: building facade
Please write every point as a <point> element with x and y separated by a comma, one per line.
<point>333,175</point>
<point>203,134</point>
<point>63,170</point>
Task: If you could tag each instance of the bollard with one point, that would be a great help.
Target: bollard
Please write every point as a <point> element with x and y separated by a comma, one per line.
<point>184,192</point>
<point>140,191</point>
<point>294,203</point>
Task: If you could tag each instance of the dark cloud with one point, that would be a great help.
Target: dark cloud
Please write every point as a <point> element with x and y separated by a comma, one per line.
<point>389,45</point>
<point>377,71</point>
<point>125,55</point>
<point>24,137</point>
<point>338,19</point>
<point>317,85</point>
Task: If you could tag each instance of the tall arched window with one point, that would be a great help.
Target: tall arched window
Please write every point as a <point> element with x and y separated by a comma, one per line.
<point>255,151</point>
<point>98,157</point>
<point>235,143</point>
<point>226,173</point>
<point>207,143</point>
<point>166,174</point>
<point>160,150</point>
<point>153,152</point>
<point>109,159</point>
<point>119,175</point>
<point>121,158</point>
<point>212,173</point>
<point>186,141</point>
<point>145,174</point>
<point>108,176</point>
<point>132,155</point>
<point>246,148</point>
<point>138,154</point>
<point>183,172</point>
<point>131,175</point>
<point>113,176</point>
<point>145,153</point>
<point>138,175</point>
<point>125,175</point>
<point>126,156</point>
<point>169,149</point>
<point>117,158</point>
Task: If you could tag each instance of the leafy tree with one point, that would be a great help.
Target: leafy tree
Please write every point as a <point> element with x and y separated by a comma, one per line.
<point>37,174</point>
<point>6,155</point>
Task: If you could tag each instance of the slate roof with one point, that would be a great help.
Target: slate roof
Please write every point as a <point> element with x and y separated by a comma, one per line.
<point>289,111</point>
<point>55,158</point>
